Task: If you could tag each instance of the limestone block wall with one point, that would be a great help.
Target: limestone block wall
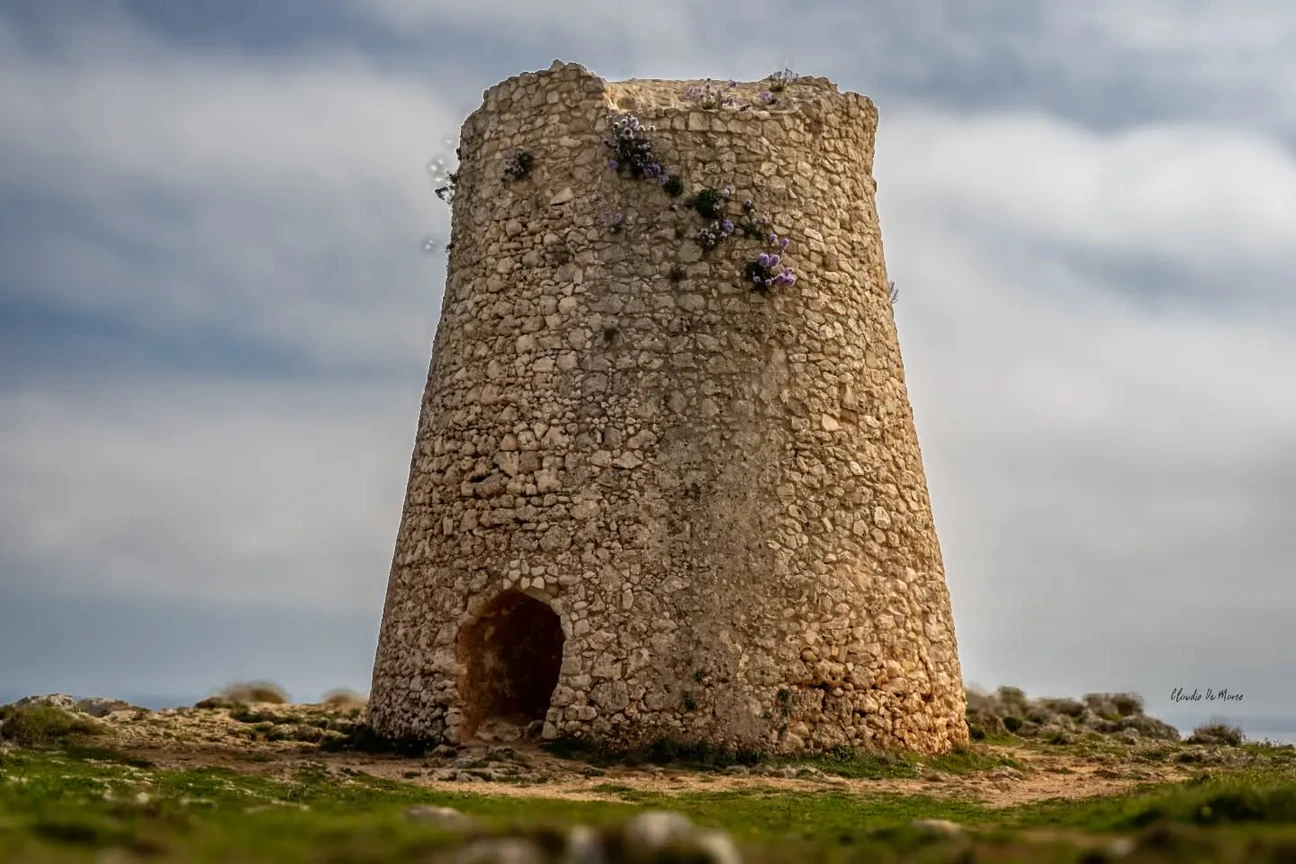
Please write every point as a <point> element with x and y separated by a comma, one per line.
<point>646,500</point>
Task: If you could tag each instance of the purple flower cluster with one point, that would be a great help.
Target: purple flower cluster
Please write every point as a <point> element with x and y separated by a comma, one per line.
<point>780,80</point>
<point>710,97</point>
<point>710,203</point>
<point>761,270</point>
<point>753,226</point>
<point>632,150</point>
<point>715,233</point>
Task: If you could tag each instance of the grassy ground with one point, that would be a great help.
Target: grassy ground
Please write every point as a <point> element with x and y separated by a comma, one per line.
<point>68,792</point>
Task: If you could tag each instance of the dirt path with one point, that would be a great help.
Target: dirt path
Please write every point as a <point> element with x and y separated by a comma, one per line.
<point>268,740</point>
<point>540,775</point>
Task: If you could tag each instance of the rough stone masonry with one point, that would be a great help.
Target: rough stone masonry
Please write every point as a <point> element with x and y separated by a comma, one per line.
<point>647,501</point>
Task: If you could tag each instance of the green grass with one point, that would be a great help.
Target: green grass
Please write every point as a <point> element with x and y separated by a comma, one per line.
<point>54,804</point>
<point>69,804</point>
<point>842,761</point>
<point>1246,797</point>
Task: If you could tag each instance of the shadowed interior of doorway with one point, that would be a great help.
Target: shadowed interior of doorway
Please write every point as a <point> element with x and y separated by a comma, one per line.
<point>512,654</point>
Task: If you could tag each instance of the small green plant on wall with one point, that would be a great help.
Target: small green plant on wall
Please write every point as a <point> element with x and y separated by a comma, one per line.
<point>709,203</point>
<point>779,81</point>
<point>632,154</point>
<point>784,698</point>
<point>444,179</point>
<point>518,165</point>
<point>711,97</point>
<point>632,151</point>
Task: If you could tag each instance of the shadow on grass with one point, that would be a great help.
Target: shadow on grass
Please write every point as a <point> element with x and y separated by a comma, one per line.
<point>840,761</point>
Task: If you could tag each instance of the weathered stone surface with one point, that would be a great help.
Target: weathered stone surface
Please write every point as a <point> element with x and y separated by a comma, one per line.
<point>718,492</point>
<point>53,700</point>
<point>942,827</point>
<point>441,817</point>
<point>98,706</point>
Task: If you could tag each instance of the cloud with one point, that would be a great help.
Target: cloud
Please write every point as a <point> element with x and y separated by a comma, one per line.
<point>592,19</point>
<point>1215,196</point>
<point>161,652</point>
<point>1107,63</point>
<point>229,492</point>
<point>280,199</point>
<point>1095,309</point>
<point>1106,472</point>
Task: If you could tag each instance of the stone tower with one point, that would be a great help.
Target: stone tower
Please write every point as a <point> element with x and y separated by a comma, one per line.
<point>653,496</point>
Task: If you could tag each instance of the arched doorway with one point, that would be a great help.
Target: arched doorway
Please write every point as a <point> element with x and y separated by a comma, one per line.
<point>512,652</point>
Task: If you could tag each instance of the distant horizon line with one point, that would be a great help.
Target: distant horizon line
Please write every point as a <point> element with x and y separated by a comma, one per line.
<point>1184,722</point>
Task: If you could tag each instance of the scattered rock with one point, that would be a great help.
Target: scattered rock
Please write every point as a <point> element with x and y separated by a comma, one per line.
<point>584,846</point>
<point>656,829</point>
<point>265,808</point>
<point>716,847</point>
<point>665,835</point>
<point>941,827</point>
<point>1061,721</point>
<point>1122,846</point>
<point>98,706</point>
<point>500,850</point>
<point>54,700</point>
<point>440,817</point>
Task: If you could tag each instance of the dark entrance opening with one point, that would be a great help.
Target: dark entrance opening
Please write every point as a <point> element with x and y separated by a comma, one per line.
<point>513,653</point>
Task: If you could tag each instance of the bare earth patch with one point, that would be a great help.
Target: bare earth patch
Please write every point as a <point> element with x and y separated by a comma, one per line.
<point>267,740</point>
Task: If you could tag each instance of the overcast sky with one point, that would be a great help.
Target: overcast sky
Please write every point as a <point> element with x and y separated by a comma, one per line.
<point>216,317</point>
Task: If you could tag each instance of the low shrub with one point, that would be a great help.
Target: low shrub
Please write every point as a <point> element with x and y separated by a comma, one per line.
<point>44,725</point>
<point>1217,733</point>
<point>247,693</point>
<point>342,698</point>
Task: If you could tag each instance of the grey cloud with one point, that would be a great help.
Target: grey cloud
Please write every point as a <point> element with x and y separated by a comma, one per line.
<point>1107,64</point>
<point>161,653</point>
<point>1111,478</point>
<point>282,495</point>
<point>215,190</point>
<point>1178,192</point>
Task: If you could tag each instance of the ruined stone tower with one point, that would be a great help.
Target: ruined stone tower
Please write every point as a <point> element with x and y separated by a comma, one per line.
<point>653,496</point>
